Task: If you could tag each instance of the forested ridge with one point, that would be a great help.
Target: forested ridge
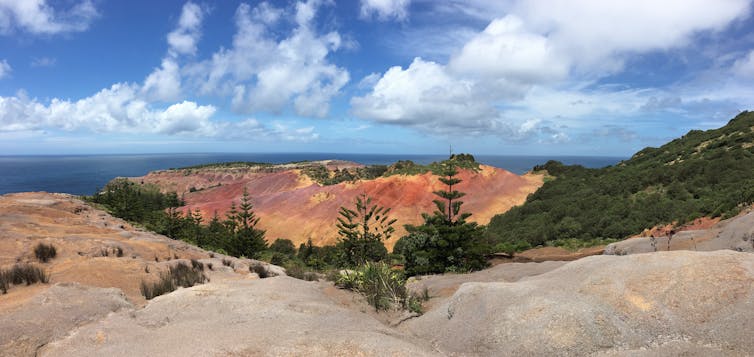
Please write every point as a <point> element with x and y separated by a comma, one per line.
<point>703,173</point>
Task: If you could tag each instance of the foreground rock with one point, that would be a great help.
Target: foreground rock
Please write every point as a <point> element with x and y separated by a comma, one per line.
<point>276,316</point>
<point>736,233</point>
<point>646,304</point>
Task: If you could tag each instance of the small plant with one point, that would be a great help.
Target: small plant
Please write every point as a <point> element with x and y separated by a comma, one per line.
<point>22,274</point>
<point>210,267</point>
<point>118,252</point>
<point>261,271</point>
<point>383,287</point>
<point>296,271</point>
<point>211,255</point>
<point>178,275</point>
<point>197,265</point>
<point>45,252</point>
<point>227,262</point>
<point>146,269</point>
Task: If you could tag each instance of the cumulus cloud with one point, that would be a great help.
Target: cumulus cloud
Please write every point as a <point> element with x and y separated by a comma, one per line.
<point>184,38</point>
<point>5,69</point>
<point>164,83</point>
<point>385,10</point>
<point>38,17</point>
<point>538,60</point>
<point>262,73</point>
<point>427,96</point>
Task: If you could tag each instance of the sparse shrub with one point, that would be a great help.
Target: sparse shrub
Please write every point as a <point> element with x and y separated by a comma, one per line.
<point>211,255</point>
<point>118,252</point>
<point>383,287</point>
<point>210,267</point>
<point>197,265</point>
<point>45,252</point>
<point>261,270</point>
<point>178,275</point>
<point>22,274</point>
<point>278,259</point>
<point>227,262</point>
<point>296,271</point>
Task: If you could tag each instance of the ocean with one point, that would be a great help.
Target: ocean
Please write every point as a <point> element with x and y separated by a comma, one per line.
<point>84,174</point>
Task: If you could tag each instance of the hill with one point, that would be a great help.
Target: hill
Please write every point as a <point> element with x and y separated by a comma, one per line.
<point>299,201</point>
<point>702,174</point>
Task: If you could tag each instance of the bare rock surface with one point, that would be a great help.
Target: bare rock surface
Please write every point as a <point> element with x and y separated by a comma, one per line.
<point>52,314</point>
<point>736,233</point>
<point>441,286</point>
<point>697,303</point>
<point>278,316</point>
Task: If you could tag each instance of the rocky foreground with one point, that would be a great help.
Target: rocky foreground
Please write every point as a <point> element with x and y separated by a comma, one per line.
<point>664,303</point>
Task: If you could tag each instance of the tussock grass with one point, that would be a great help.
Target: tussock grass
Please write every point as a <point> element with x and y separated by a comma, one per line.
<point>22,274</point>
<point>45,252</point>
<point>179,275</point>
<point>261,270</point>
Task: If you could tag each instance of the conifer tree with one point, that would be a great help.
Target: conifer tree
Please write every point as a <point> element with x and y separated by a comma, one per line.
<point>446,241</point>
<point>363,230</point>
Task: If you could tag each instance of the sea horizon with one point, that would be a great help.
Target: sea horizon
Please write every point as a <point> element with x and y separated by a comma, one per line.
<point>83,174</point>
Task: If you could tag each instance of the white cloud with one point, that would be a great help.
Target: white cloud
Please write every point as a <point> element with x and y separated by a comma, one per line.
<point>426,96</point>
<point>164,83</point>
<point>5,69</point>
<point>38,17</point>
<point>506,50</point>
<point>184,38</point>
<point>263,73</point>
<point>385,9</point>
<point>43,62</point>
<point>535,60</point>
<point>744,66</point>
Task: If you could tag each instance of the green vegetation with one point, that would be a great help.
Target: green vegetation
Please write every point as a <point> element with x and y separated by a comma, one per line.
<point>22,274</point>
<point>703,173</point>
<point>133,202</point>
<point>45,252</point>
<point>383,287</point>
<point>410,168</point>
<point>325,177</point>
<point>225,165</point>
<point>446,241</point>
<point>362,231</point>
<point>176,276</point>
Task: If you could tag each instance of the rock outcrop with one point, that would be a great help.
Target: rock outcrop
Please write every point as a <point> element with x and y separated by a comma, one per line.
<point>736,233</point>
<point>682,302</point>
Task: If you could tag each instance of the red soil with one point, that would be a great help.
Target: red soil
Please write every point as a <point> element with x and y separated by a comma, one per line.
<point>292,206</point>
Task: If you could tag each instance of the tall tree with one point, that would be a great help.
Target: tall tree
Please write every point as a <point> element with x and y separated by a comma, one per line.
<point>446,241</point>
<point>363,230</point>
<point>248,240</point>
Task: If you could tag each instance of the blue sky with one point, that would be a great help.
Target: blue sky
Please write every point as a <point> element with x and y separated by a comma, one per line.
<point>558,77</point>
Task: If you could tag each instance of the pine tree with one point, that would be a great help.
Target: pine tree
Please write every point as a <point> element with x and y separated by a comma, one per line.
<point>363,230</point>
<point>446,241</point>
<point>247,241</point>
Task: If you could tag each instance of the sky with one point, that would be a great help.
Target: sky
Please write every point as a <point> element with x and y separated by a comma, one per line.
<point>550,77</point>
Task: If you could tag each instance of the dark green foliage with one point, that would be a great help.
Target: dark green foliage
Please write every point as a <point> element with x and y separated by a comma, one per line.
<point>323,176</point>
<point>133,202</point>
<point>179,275</point>
<point>45,252</point>
<point>362,231</point>
<point>299,272</point>
<point>446,241</point>
<point>703,173</point>
<point>410,168</point>
<point>283,246</point>
<point>22,274</point>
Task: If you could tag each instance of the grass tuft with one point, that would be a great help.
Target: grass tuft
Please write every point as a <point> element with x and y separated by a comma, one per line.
<point>22,274</point>
<point>179,275</point>
<point>45,252</point>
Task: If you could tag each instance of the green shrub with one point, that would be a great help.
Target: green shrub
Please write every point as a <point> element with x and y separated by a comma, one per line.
<point>383,287</point>
<point>298,272</point>
<point>45,252</point>
<point>179,275</point>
